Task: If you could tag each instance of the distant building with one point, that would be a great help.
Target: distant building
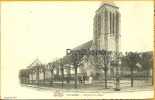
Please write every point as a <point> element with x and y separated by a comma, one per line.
<point>35,63</point>
<point>32,65</point>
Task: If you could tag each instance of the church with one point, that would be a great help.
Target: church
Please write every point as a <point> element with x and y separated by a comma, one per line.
<point>106,36</point>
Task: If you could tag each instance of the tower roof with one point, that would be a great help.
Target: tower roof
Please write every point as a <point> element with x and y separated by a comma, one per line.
<point>109,2</point>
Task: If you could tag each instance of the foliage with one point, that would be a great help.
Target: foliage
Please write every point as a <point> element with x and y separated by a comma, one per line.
<point>130,59</point>
<point>145,60</point>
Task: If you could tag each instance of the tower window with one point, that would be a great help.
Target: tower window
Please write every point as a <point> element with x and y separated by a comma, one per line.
<point>110,22</point>
<point>99,25</point>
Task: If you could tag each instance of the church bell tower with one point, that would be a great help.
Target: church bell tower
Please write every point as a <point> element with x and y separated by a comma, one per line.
<point>106,27</point>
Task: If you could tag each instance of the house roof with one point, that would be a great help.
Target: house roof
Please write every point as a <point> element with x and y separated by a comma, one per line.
<point>108,2</point>
<point>35,63</point>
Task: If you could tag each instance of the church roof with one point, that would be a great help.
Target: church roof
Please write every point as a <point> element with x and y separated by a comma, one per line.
<point>36,62</point>
<point>108,2</point>
<point>84,46</point>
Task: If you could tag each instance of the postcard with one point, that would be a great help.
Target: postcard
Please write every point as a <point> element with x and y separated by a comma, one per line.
<point>77,49</point>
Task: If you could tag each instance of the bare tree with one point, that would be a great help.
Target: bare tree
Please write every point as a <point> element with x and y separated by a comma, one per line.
<point>51,66</point>
<point>37,69</point>
<point>24,72</point>
<point>104,61</point>
<point>63,64</point>
<point>28,75</point>
<point>21,76</point>
<point>43,69</point>
<point>31,73</point>
<point>76,60</point>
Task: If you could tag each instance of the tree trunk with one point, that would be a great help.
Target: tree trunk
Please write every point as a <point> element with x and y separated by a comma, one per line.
<point>62,76</point>
<point>57,72</point>
<point>44,76</point>
<point>38,76</point>
<point>32,78</point>
<point>68,72</point>
<point>144,74</point>
<point>105,79</point>
<point>51,80</point>
<point>131,76</point>
<point>28,78</point>
<point>22,77</point>
<point>75,77</point>
<point>25,77</point>
<point>147,71</point>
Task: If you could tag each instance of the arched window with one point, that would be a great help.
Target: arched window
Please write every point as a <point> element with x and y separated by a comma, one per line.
<point>113,23</point>
<point>99,25</point>
<point>110,22</point>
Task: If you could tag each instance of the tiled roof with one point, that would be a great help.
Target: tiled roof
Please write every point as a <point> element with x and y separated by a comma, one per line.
<point>84,46</point>
<point>36,62</point>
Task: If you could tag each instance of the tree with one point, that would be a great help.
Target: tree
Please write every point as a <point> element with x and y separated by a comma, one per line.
<point>76,60</point>
<point>51,66</point>
<point>21,76</point>
<point>130,59</point>
<point>37,69</point>
<point>24,76</point>
<point>63,64</point>
<point>27,71</point>
<point>103,62</point>
<point>32,71</point>
<point>43,69</point>
<point>144,60</point>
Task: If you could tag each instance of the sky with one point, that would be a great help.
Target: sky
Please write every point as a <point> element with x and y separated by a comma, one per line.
<point>44,30</point>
